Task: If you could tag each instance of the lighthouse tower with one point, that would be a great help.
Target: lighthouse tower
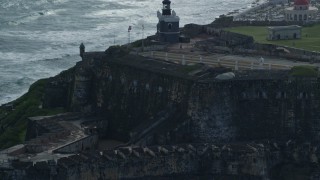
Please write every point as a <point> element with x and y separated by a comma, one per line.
<point>168,26</point>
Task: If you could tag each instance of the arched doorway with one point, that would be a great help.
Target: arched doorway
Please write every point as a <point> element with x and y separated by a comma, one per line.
<point>295,36</point>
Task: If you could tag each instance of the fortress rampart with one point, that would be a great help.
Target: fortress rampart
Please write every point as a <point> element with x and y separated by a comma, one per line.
<point>155,105</point>
<point>197,161</point>
<point>259,104</point>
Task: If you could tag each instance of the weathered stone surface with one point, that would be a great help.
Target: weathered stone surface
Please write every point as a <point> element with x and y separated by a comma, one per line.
<point>131,90</point>
<point>246,161</point>
<point>151,103</point>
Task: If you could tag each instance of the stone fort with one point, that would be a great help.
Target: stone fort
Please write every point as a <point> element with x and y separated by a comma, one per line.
<point>174,122</point>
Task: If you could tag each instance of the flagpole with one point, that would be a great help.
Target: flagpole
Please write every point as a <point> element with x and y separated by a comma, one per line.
<point>129,36</point>
<point>129,30</point>
<point>142,37</point>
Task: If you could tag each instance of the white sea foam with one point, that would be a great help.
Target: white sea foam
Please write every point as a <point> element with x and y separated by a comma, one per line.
<point>41,37</point>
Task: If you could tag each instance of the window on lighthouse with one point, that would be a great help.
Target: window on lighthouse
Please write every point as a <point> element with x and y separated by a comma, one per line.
<point>169,26</point>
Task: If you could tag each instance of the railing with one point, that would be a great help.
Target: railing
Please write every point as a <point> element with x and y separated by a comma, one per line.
<point>213,61</point>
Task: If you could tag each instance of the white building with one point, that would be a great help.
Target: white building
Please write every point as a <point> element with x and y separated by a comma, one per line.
<point>301,11</point>
<point>284,32</point>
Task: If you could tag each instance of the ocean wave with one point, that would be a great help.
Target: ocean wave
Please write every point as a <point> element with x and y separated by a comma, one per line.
<point>24,81</point>
<point>39,38</point>
<point>11,88</point>
<point>25,19</point>
<point>109,5</point>
<point>27,4</point>
<point>33,16</point>
<point>8,58</point>
<point>9,97</point>
<point>17,77</point>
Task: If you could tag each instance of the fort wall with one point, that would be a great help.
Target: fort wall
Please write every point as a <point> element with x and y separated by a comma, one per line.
<point>264,104</point>
<point>127,94</point>
<point>82,144</point>
<point>130,91</point>
<point>196,161</point>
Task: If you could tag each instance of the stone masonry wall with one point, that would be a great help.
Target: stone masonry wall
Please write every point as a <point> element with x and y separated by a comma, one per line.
<point>211,108</point>
<point>83,144</point>
<point>179,162</point>
<point>255,109</point>
<point>126,95</point>
<point>186,161</point>
<point>129,92</point>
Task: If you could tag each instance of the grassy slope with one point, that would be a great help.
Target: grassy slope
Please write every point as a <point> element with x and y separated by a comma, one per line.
<point>13,123</point>
<point>310,42</point>
<point>304,71</point>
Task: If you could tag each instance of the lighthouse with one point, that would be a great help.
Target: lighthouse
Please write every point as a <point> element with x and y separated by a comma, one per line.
<point>168,26</point>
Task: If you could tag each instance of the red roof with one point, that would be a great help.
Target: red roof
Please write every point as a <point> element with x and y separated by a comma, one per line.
<point>301,2</point>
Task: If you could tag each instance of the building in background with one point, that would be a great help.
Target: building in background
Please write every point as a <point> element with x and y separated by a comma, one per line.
<point>284,32</point>
<point>301,11</point>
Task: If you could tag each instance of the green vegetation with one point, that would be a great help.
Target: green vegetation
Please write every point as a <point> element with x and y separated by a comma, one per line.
<point>13,123</point>
<point>223,20</point>
<point>137,43</point>
<point>190,68</point>
<point>304,71</point>
<point>117,50</point>
<point>310,37</point>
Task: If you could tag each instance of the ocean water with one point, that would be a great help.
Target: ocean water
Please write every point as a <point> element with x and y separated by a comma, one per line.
<point>40,38</point>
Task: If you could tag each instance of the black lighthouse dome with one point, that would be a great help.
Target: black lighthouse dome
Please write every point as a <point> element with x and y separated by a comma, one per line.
<point>166,10</point>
